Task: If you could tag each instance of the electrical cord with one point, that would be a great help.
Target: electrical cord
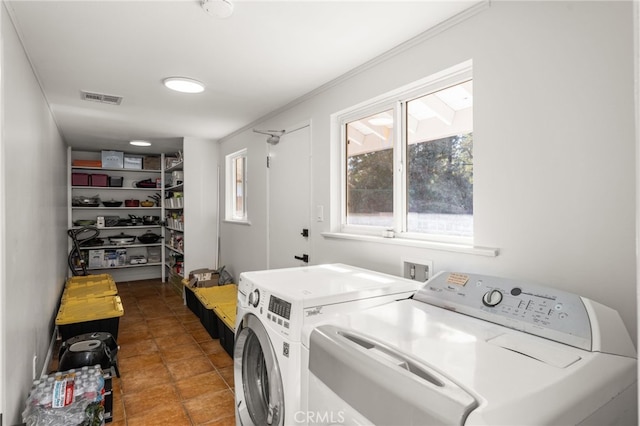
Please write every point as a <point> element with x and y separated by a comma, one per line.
<point>74,255</point>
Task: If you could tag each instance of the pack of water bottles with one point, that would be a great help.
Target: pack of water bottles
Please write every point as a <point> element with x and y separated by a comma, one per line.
<point>73,397</point>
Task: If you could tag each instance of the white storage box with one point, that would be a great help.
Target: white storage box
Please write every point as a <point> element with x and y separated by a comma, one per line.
<point>96,258</point>
<point>132,162</point>
<point>112,159</point>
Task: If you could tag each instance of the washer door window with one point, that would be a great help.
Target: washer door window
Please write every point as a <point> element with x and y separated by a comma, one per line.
<point>255,361</point>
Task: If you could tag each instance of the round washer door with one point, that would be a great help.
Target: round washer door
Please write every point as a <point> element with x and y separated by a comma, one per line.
<point>260,396</point>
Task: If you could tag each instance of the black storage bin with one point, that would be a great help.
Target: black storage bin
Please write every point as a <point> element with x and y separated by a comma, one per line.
<point>210,322</point>
<point>227,336</point>
<point>110,325</point>
<point>193,303</point>
<point>115,181</point>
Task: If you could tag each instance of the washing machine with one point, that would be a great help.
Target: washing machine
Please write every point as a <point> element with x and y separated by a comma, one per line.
<point>470,349</point>
<point>273,308</point>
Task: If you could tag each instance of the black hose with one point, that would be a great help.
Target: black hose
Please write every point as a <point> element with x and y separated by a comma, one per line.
<point>74,254</point>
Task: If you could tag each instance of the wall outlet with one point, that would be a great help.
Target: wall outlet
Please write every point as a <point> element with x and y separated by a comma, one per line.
<point>417,269</point>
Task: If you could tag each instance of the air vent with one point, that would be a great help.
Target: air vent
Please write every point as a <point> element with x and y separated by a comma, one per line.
<point>100,97</point>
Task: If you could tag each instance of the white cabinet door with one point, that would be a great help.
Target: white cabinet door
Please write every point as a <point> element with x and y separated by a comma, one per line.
<point>289,198</point>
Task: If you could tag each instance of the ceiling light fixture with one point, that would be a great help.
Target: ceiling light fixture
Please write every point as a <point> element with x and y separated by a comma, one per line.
<point>219,8</point>
<point>140,143</point>
<point>183,84</point>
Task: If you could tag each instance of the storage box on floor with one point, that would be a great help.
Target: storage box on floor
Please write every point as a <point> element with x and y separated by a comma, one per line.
<point>89,304</point>
<point>216,308</point>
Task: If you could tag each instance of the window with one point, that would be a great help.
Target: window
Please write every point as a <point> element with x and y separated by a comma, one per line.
<point>408,162</point>
<point>236,186</point>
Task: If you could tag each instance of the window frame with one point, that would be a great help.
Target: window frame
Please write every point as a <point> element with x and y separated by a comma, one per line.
<point>231,187</point>
<point>396,100</point>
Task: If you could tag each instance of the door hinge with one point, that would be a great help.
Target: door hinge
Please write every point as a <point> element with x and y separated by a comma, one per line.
<point>268,161</point>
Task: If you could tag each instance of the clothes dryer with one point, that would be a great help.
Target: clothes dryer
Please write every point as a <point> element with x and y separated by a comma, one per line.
<point>470,349</point>
<point>273,308</point>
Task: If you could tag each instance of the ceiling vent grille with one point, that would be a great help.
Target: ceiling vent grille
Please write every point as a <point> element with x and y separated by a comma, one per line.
<point>100,97</point>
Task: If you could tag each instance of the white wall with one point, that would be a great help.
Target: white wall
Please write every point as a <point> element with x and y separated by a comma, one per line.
<point>244,247</point>
<point>554,178</point>
<point>200,202</point>
<point>34,180</point>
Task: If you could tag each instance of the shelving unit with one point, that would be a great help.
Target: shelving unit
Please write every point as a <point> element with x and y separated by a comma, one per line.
<point>153,253</point>
<point>173,213</point>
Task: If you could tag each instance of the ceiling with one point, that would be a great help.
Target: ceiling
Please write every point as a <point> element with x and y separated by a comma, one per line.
<point>263,57</point>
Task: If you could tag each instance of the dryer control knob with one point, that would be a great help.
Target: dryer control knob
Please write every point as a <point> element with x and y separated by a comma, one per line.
<point>492,298</point>
<point>254,298</point>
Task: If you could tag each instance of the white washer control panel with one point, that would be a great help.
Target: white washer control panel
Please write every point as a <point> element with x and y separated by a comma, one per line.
<point>543,311</point>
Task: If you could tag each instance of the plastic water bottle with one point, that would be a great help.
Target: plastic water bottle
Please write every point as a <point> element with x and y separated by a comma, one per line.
<point>45,395</point>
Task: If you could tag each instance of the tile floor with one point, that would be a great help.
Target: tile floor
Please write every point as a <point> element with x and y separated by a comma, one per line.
<point>171,371</point>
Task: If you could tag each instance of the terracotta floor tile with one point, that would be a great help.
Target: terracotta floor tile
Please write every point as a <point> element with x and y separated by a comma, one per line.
<point>194,325</point>
<point>186,317</point>
<point>173,301</point>
<point>210,407</point>
<point>180,352</point>
<point>133,333</point>
<point>135,348</point>
<point>150,302</point>
<point>169,321</point>
<point>181,309</point>
<point>139,362</point>
<point>227,375</point>
<point>221,359</point>
<point>131,317</point>
<point>211,346</point>
<point>174,340</point>
<point>165,332</point>
<point>200,335</point>
<point>130,308</point>
<point>138,381</point>
<point>227,421</point>
<point>143,402</point>
<point>173,414</point>
<point>117,410</point>
<point>194,386</point>
<point>158,312</point>
<point>189,367</point>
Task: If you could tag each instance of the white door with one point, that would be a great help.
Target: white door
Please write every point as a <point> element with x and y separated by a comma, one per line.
<point>289,197</point>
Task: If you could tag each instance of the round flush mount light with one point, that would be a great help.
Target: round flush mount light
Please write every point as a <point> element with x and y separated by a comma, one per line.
<point>218,8</point>
<point>183,84</point>
<point>140,143</point>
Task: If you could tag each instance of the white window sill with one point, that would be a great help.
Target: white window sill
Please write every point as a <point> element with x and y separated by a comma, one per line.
<point>434,245</point>
<point>238,222</point>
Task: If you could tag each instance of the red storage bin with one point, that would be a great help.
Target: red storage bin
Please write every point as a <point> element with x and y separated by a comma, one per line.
<point>79,179</point>
<point>99,180</point>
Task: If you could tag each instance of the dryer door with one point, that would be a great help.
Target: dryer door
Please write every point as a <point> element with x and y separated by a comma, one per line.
<point>259,392</point>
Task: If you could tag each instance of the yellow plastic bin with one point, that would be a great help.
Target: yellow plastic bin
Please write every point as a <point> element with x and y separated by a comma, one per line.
<point>80,316</point>
<point>213,296</point>
<point>87,289</point>
<point>89,280</point>
<point>210,298</point>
